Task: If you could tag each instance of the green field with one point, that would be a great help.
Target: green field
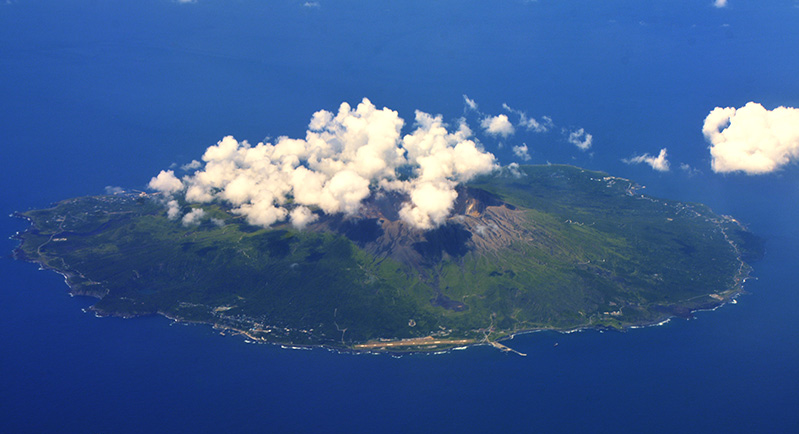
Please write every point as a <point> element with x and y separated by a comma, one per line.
<point>558,247</point>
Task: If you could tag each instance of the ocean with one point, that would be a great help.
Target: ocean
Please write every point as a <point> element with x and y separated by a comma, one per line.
<point>109,93</point>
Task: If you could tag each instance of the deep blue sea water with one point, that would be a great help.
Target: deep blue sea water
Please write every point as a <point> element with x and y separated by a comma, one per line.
<point>98,93</point>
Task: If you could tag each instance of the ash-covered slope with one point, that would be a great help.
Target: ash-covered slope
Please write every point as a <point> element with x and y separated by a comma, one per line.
<point>480,223</point>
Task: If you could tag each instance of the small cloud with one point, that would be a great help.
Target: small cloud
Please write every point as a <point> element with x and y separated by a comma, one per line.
<point>110,189</point>
<point>522,152</point>
<point>194,165</point>
<point>470,103</point>
<point>581,139</point>
<point>752,139</point>
<point>311,4</point>
<point>659,163</point>
<point>301,216</point>
<point>531,124</point>
<point>720,4</point>
<point>691,171</point>
<point>166,182</point>
<point>193,217</point>
<point>172,209</point>
<point>512,170</point>
<point>498,125</point>
<point>185,1</point>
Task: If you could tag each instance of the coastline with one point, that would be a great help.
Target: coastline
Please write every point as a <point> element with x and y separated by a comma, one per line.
<point>411,345</point>
<point>389,346</point>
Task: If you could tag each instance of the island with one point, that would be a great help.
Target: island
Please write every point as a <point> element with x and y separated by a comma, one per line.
<point>549,247</point>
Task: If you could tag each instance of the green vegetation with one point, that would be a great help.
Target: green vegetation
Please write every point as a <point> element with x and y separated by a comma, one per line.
<point>557,247</point>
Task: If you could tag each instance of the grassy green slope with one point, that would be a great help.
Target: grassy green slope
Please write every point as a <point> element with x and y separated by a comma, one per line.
<point>624,249</point>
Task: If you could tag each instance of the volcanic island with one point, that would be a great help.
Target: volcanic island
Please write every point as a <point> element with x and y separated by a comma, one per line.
<point>548,247</point>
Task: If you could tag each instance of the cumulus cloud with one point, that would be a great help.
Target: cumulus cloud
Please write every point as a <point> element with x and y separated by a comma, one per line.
<point>501,125</point>
<point>522,152</point>
<point>172,209</point>
<point>193,217</point>
<point>343,159</point>
<point>659,163</point>
<point>431,203</point>
<point>513,170</point>
<point>166,182</point>
<point>581,139</point>
<point>441,160</point>
<point>301,216</point>
<point>752,139</point>
<point>498,125</point>
<point>720,3</point>
<point>529,123</point>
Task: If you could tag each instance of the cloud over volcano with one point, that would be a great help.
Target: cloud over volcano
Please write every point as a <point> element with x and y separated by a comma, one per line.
<point>344,157</point>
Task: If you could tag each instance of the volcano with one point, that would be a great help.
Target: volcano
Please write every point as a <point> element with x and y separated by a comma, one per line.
<point>541,247</point>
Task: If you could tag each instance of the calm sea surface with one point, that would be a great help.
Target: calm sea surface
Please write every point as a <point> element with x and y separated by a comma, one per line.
<point>109,93</point>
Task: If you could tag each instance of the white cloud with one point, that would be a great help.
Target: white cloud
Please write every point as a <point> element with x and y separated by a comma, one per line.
<point>581,139</point>
<point>752,139</point>
<point>344,193</point>
<point>342,160</point>
<point>470,103</point>
<point>186,1</point>
<point>311,4</point>
<point>531,124</point>
<point>498,125</point>
<point>172,209</point>
<point>193,217</point>
<point>191,166</point>
<point>166,182</point>
<point>539,127</point>
<point>659,163</point>
<point>691,171</point>
<point>522,152</point>
<point>720,3</point>
<point>302,216</point>
<point>431,203</point>
<point>512,170</point>
<point>442,160</point>
<point>110,189</point>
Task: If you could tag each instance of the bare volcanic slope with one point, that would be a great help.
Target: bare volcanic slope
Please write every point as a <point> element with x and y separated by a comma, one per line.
<point>544,247</point>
